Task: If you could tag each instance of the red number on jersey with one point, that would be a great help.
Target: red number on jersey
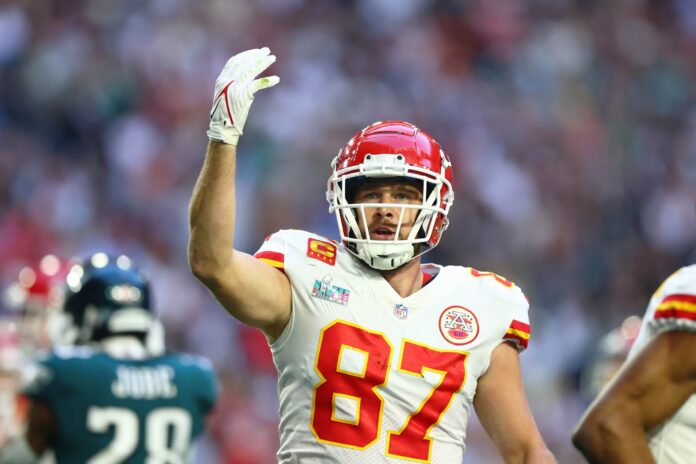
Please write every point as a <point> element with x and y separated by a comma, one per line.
<point>335,382</point>
<point>412,441</point>
<point>498,278</point>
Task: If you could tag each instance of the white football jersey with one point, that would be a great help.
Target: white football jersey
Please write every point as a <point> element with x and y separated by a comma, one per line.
<point>366,376</point>
<point>672,307</point>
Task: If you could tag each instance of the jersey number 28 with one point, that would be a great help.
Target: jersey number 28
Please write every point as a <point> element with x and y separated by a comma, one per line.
<point>160,448</point>
<point>412,441</point>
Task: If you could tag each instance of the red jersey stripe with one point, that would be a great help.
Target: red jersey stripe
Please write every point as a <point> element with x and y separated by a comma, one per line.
<point>271,255</point>
<point>679,305</point>
<point>272,258</point>
<point>675,314</point>
<point>517,325</point>
<point>518,333</point>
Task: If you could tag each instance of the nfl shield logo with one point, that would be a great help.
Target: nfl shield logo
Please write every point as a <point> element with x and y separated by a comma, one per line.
<point>400,311</point>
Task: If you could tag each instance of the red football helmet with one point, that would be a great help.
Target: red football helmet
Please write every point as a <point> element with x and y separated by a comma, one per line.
<point>391,149</point>
<point>36,295</point>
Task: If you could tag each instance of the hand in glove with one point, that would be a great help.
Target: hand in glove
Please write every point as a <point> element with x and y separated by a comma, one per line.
<point>234,93</point>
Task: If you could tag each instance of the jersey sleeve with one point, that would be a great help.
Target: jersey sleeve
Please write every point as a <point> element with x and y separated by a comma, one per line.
<point>675,303</point>
<point>273,251</point>
<point>289,250</point>
<point>207,385</point>
<point>519,331</point>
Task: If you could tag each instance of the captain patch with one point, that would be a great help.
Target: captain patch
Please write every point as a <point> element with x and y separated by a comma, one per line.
<point>322,251</point>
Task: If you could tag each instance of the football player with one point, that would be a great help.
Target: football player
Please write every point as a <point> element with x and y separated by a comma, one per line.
<point>33,300</point>
<point>648,412</point>
<point>36,297</point>
<point>379,357</point>
<point>109,393</point>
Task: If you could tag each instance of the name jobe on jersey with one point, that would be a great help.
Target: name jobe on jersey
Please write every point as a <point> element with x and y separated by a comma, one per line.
<point>147,383</point>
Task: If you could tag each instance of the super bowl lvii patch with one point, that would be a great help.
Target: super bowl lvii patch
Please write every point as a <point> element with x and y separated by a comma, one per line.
<point>326,291</point>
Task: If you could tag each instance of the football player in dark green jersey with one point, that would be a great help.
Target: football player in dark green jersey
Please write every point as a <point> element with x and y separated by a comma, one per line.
<point>113,395</point>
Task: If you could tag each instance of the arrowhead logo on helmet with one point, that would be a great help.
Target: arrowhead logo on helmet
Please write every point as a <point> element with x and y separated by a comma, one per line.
<point>391,149</point>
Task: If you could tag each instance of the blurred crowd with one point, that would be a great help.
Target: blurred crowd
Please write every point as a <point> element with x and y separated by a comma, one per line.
<point>571,125</point>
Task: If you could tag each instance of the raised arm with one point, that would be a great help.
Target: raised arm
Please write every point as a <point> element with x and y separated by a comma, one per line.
<point>647,390</point>
<point>252,291</point>
<point>501,406</point>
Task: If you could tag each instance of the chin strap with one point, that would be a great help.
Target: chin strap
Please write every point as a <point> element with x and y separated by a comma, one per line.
<point>18,451</point>
<point>385,256</point>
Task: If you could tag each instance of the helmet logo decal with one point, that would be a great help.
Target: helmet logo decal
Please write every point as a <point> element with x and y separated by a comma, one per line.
<point>458,325</point>
<point>322,251</point>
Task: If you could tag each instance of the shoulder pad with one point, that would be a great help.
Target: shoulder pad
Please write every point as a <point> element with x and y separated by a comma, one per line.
<point>35,376</point>
<point>681,282</point>
<point>298,243</point>
<point>497,285</point>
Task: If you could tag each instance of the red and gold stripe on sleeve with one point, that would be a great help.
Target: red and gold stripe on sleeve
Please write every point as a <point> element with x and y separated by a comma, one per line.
<point>518,334</point>
<point>677,307</point>
<point>273,258</point>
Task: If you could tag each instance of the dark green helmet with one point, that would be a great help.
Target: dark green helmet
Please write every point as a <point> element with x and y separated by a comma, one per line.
<point>106,296</point>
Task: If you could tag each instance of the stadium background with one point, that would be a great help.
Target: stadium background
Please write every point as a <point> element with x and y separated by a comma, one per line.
<point>571,125</point>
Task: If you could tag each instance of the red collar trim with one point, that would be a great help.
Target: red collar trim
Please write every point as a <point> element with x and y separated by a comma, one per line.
<point>426,278</point>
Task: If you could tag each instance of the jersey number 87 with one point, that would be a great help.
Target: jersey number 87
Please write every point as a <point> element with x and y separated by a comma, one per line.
<point>412,441</point>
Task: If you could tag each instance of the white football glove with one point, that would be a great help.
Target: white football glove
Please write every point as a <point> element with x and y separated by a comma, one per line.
<point>234,91</point>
